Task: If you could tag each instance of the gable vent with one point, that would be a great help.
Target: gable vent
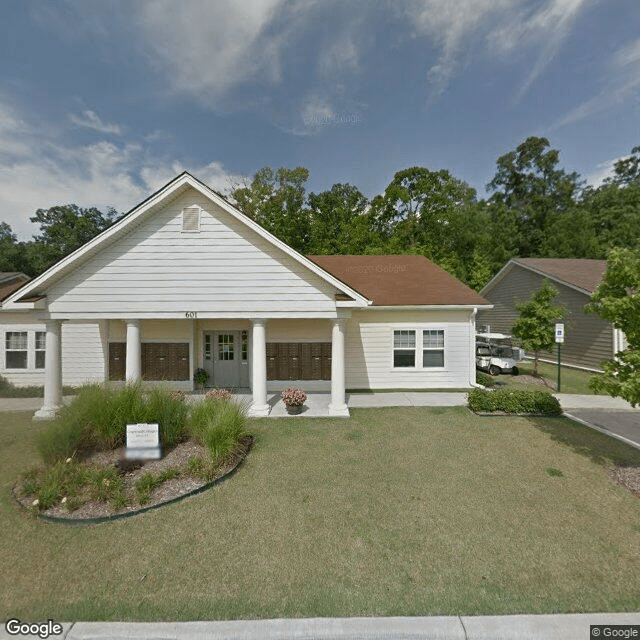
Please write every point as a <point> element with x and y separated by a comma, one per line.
<point>191,218</point>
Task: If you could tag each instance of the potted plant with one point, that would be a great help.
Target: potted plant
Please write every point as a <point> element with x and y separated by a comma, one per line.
<point>293,400</point>
<point>200,377</point>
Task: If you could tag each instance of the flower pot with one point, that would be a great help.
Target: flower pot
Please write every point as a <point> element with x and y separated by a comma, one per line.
<point>294,409</point>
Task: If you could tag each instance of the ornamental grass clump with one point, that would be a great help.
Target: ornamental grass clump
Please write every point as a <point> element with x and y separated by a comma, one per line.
<point>513,401</point>
<point>97,419</point>
<point>218,425</point>
<point>293,397</point>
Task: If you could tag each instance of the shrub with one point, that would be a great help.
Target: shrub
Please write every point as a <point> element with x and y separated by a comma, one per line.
<point>293,397</point>
<point>218,425</point>
<point>514,401</point>
<point>484,379</point>
<point>222,394</point>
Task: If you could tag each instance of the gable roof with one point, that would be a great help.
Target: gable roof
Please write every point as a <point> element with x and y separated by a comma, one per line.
<point>11,281</point>
<point>584,274</point>
<point>400,280</point>
<point>176,186</point>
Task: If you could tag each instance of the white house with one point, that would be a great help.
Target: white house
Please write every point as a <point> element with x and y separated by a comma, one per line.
<point>185,281</point>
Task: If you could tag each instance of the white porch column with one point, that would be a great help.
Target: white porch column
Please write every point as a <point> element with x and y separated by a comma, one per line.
<point>134,360</point>
<point>337,406</point>
<point>52,371</point>
<point>259,407</point>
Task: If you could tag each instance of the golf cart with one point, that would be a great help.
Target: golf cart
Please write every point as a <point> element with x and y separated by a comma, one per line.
<point>496,354</point>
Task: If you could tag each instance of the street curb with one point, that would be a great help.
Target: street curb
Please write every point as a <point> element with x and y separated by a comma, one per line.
<point>571,626</point>
<point>606,432</point>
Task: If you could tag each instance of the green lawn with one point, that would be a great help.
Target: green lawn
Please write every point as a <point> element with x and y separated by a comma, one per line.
<point>397,511</point>
<point>571,380</point>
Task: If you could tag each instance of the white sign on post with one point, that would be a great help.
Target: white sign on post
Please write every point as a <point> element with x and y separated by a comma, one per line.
<point>143,442</point>
<point>559,333</point>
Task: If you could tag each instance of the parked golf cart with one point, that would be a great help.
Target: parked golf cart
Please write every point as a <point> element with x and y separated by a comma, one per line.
<point>496,354</point>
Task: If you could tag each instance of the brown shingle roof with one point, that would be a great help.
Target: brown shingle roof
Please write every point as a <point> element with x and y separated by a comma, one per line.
<point>10,282</point>
<point>399,280</point>
<point>582,273</point>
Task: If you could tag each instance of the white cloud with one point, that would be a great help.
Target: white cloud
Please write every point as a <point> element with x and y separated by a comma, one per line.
<point>507,25</point>
<point>451,24</point>
<point>48,172</point>
<point>206,48</point>
<point>91,120</point>
<point>603,171</point>
<point>623,82</point>
<point>548,26</point>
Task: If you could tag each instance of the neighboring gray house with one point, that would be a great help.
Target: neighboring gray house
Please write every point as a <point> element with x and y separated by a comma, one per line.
<point>589,340</point>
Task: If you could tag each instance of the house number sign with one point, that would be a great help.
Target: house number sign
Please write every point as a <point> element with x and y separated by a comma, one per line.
<point>191,314</point>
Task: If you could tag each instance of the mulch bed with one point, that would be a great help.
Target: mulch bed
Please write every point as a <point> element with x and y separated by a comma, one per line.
<point>627,477</point>
<point>168,491</point>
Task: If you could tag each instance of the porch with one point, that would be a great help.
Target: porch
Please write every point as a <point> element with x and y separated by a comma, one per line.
<point>235,353</point>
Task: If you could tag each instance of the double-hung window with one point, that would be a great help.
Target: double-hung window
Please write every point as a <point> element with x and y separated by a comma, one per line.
<point>41,337</point>
<point>404,348</point>
<point>16,350</point>
<point>433,348</point>
<point>418,348</point>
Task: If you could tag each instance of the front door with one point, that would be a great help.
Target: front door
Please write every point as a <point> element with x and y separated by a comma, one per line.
<point>226,359</point>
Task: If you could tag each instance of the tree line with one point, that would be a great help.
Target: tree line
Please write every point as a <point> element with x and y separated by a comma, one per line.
<point>535,208</point>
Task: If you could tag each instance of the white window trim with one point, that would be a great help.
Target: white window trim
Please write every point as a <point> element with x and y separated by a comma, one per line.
<point>419,346</point>
<point>444,350</point>
<point>31,348</point>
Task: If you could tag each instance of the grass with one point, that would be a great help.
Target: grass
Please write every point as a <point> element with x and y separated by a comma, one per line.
<point>571,380</point>
<point>397,511</point>
<point>8,390</point>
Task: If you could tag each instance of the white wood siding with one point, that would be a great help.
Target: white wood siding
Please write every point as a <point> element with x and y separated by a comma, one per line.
<point>83,352</point>
<point>158,269</point>
<point>369,350</point>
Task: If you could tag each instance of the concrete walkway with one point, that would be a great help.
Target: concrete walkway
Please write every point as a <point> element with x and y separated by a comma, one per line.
<point>516,627</point>
<point>318,403</point>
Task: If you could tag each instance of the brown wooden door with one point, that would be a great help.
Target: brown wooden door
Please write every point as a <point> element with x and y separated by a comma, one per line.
<point>117,360</point>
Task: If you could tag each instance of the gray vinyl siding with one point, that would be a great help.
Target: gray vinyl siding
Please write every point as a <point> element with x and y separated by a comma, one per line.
<point>588,338</point>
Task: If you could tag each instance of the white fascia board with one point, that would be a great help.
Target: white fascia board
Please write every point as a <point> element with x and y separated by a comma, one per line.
<point>21,306</point>
<point>135,214</point>
<point>429,307</point>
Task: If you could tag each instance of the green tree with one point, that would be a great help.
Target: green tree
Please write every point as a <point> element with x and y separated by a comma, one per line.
<point>534,190</point>
<point>617,300</point>
<point>340,222</point>
<point>12,252</point>
<point>62,230</point>
<point>536,325</point>
<point>276,200</point>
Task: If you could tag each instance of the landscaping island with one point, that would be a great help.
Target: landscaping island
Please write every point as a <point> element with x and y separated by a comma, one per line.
<point>85,474</point>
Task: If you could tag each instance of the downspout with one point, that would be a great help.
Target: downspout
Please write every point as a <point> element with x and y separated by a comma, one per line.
<point>472,349</point>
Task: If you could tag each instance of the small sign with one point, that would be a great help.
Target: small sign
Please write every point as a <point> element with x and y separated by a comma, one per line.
<point>559,332</point>
<point>143,442</point>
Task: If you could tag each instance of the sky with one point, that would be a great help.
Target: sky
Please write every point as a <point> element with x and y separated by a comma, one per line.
<point>104,101</point>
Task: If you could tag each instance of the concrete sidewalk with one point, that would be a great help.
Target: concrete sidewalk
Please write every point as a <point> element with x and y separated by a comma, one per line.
<point>514,627</point>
